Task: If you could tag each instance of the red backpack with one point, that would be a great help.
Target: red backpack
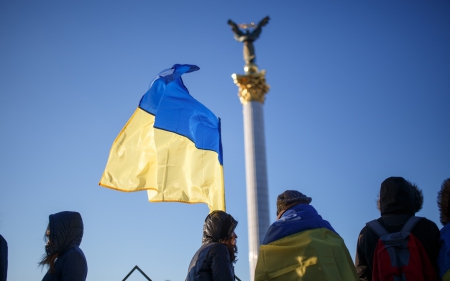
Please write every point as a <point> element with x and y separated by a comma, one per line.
<point>400,256</point>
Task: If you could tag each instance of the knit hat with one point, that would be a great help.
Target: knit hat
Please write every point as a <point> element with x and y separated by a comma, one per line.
<point>290,198</point>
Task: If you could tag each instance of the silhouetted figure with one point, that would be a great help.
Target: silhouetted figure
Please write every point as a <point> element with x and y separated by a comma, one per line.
<point>214,260</point>
<point>398,202</point>
<point>64,258</point>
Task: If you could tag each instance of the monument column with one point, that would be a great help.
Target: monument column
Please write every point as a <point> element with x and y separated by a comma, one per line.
<point>252,90</point>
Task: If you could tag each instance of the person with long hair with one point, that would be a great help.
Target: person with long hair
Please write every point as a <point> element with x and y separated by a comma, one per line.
<point>214,260</point>
<point>63,257</point>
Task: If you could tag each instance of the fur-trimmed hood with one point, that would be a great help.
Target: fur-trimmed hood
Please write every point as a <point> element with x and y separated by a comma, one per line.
<point>399,196</point>
<point>443,202</point>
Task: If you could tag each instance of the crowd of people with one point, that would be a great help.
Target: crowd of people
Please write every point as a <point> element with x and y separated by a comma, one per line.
<point>299,245</point>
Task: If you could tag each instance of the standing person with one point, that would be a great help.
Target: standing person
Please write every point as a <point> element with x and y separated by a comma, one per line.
<point>443,201</point>
<point>3,259</point>
<point>214,260</point>
<point>300,245</point>
<point>398,201</point>
<point>64,259</point>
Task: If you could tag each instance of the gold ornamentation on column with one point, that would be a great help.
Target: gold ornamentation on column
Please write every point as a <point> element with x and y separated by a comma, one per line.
<point>252,86</point>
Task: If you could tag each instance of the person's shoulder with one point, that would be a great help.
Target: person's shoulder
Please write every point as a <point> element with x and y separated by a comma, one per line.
<point>367,235</point>
<point>75,249</point>
<point>366,229</point>
<point>217,245</point>
<point>445,230</point>
<point>426,229</point>
<point>217,249</point>
<point>363,230</point>
<point>73,253</point>
<point>429,224</point>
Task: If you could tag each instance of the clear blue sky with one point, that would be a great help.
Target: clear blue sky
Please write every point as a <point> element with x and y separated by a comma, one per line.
<point>360,91</point>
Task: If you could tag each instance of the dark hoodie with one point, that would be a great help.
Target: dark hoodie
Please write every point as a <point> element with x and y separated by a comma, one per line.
<point>398,202</point>
<point>212,261</point>
<point>66,232</point>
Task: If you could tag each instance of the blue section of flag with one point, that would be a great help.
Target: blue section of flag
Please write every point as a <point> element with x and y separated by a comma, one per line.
<point>299,218</point>
<point>444,252</point>
<point>176,111</point>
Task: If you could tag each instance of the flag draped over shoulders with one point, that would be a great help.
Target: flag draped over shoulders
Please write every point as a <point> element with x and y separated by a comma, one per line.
<point>171,147</point>
<point>302,246</point>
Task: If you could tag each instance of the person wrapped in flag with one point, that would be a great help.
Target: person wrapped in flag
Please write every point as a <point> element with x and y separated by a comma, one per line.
<point>171,147</point>
<point>300,245</point>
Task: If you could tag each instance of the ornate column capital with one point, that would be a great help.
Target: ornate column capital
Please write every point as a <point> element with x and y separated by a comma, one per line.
<point>252,86</point>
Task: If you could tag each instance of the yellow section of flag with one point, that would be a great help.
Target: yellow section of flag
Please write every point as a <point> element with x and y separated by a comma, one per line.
<point>166,164</point>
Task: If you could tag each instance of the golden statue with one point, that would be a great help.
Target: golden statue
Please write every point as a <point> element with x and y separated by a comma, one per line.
<point>252,85</point>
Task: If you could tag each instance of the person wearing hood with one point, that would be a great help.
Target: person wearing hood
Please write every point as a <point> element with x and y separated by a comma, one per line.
<point>64,258</point>
<point>214,260</point>
<point>398,201</point>
<point>302,246</point>
<point>443,201</point>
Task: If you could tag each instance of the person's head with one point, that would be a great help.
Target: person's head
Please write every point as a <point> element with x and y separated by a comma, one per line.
<point>399,196</point>
<point>64,230</point>
<point>443,201</point>
<point>289,199</point>
<point>219,227</point>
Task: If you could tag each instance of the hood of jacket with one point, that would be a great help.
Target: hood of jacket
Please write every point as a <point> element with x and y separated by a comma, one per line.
<point>218,225</point>
<point>397,196</point>
<point>66,231</point>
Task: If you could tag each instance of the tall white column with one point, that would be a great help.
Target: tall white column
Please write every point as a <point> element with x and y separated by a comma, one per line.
<point>252,91</point>
<point>256,179</point>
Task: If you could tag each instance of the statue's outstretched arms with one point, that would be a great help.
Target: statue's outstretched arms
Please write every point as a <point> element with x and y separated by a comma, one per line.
<point>257,31</point>
<point>237,32</point>
<point>263,22</point>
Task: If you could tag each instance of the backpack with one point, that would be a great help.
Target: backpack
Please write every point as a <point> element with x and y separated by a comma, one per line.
<point>400,256</point>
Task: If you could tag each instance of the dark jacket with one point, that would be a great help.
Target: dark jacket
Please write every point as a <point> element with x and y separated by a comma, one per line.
<point>3,259</point>
<point>397,204</point>
<point>66,232</point>
<point>212,261</point>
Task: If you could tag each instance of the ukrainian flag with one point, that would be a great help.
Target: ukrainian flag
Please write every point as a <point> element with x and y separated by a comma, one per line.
<point>171,147</point>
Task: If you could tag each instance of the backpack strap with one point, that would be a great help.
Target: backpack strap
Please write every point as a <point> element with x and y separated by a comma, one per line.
<point>377,228</point>
<point>409,225</point>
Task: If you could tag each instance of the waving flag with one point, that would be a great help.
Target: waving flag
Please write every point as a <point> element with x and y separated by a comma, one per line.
<point>171,147</point>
